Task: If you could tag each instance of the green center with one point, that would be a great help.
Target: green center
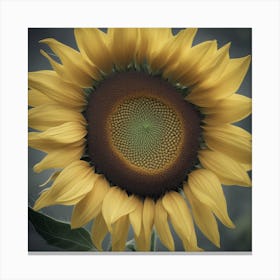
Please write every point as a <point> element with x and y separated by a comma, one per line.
<point>146,132</point>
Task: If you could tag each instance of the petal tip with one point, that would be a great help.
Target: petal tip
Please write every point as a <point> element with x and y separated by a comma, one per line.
<point>37,206</point>
<point>231,225</point>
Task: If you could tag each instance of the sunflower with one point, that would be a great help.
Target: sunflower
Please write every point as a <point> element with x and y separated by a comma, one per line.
<point>138,125</point>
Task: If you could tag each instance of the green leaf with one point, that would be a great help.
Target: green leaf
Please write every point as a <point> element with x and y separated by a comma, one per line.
<point>60,234</point>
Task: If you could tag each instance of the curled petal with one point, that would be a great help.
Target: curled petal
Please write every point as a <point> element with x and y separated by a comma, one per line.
<point>52,177</point>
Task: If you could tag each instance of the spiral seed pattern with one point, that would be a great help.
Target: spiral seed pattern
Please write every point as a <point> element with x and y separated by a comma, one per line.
<point>146,132</point>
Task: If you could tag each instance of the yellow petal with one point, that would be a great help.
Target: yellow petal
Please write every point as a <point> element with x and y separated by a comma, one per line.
<point>148,217</point>
<point>135,217</point>
<point>98,231</point>
<point>37,98</point>
<point>180,218</point>
<point>233,129</point>
<point>203,217</point>
<point>59,157</point>
<point>43,200</point>
<point>192,249</point>
<point>67,133</point>
<point>50,84</point>
<point>119,233</point>
<point>68,74</point>
<point>247,166</point>
<point>217,66</point>
<point>228,84</point>
<point>142,244</point>
<point>74,68</point>
<point>186,71</point>
<point>90,206</point>
<point>143,239</point>
<point>123,45</point>
<point>47,146</point>
<point>206,187</point>
<point>92,44</point>
<point>229,141</point>
<point>206,60</point>
<point>236,71</point>
<point>162,227</point>
<point>151,41</point>
<point>232,109</point>
<point>72,184</point>
<point>171,50</point>
<point>52,177</point>
<point>46,116</point>
<point>115,205</point>
<point>228,170</point>
<point>182,41</point>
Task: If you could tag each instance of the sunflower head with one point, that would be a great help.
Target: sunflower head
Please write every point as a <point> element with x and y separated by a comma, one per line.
<point>137,122</point>
<point>142,135</point>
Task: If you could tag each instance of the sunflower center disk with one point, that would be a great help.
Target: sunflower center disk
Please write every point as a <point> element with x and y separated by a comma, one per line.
<point>146,133</point>
<point>142,135</point>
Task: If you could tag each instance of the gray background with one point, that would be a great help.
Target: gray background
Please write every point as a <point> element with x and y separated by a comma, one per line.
<point>239,200</point>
